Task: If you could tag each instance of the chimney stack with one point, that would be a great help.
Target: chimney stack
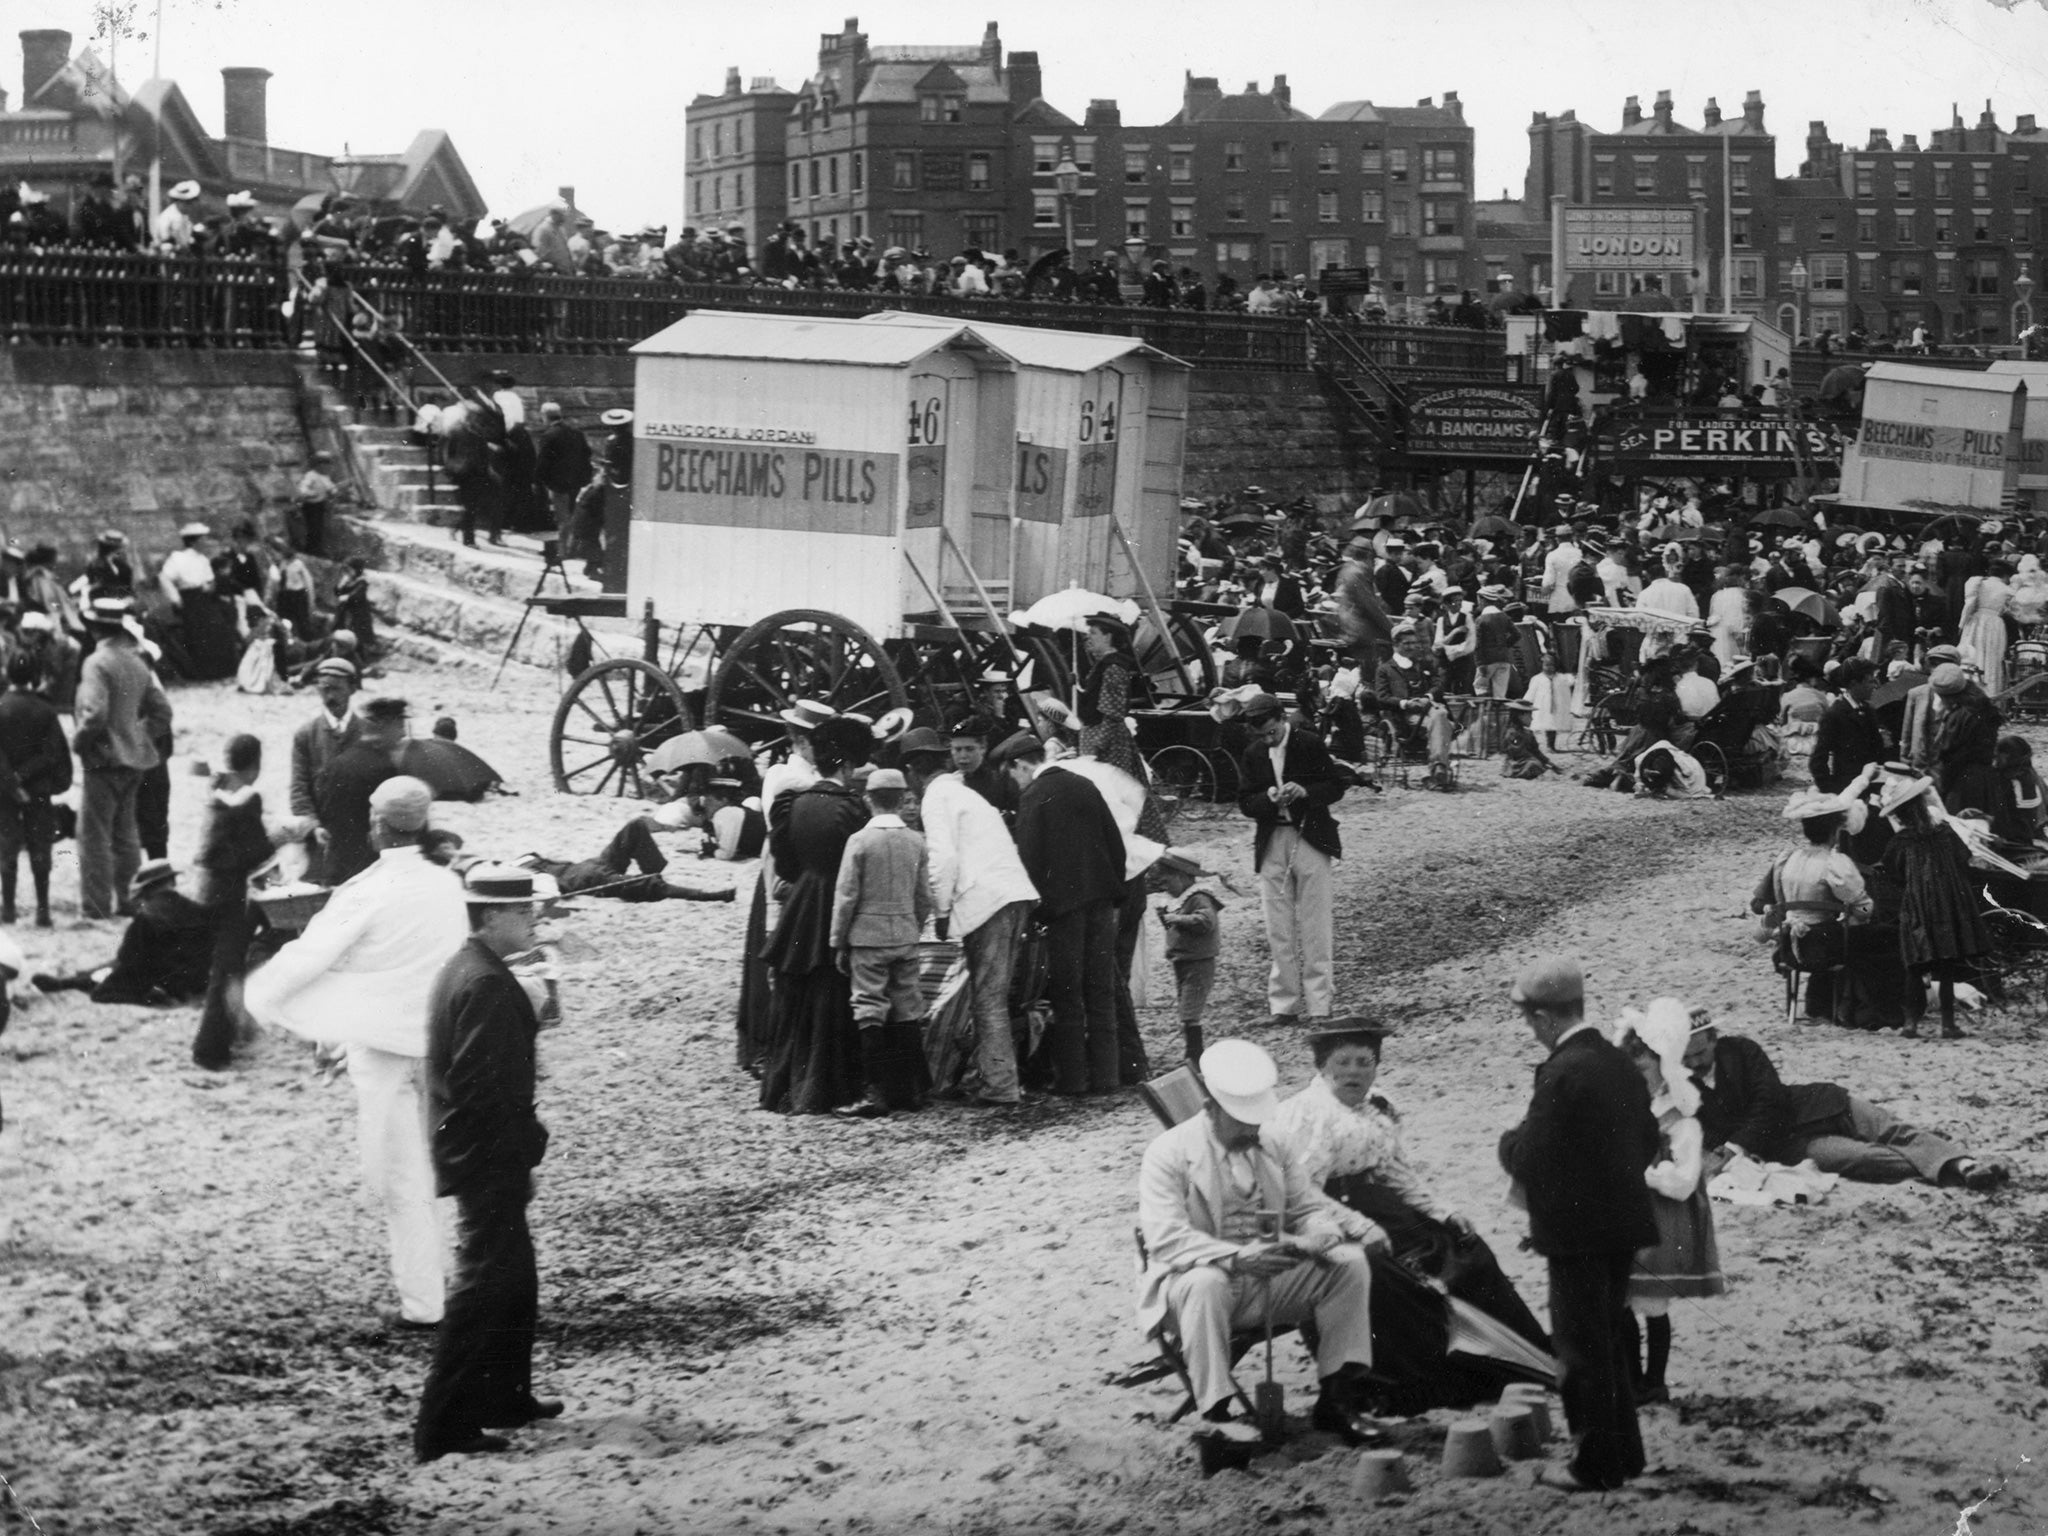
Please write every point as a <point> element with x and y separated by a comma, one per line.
<point>1988,120</point>
<point>1281,92</point>
<point>732,80</point>
<point>43,53</point>
<point>1103,113</point>
<point>1631,112</point>
<point>1910,144</point>
<point>1711,117</point>
<point>1027,82</point>
<point>1454,106</point>
<point>1198,91</point>
<point>1879,140</point>
<point>1753,111</point>
<point>2024,123</point>
<point>991,46</point>
<point>1662,109</point>
<point>245,110</point>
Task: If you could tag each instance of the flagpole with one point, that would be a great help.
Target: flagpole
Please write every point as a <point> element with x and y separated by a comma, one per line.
<point>156,158</point>
<point>1727,226</point>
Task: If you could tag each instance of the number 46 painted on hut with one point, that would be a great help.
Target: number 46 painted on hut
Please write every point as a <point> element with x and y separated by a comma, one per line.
<point>927,420</point>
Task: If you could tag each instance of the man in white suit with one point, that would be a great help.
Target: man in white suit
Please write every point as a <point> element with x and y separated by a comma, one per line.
<point>1232,1225</point>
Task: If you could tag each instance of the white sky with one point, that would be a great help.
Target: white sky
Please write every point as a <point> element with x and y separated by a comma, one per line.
<point>590,93</point>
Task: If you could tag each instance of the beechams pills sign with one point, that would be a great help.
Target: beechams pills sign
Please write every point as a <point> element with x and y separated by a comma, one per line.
<point>1920,442</point>
<point>1471,422</point>
<point>789,489</point>
<point>1724,444</point>
<point>1630,239</point>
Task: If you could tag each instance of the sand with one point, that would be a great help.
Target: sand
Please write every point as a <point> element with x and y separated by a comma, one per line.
<point>770,1324</point>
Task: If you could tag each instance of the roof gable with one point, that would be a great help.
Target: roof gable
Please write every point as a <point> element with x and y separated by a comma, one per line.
<point>188,148</point>
<point>83,86</point>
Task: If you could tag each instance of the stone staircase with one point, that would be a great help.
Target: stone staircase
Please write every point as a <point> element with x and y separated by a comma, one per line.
<point>450,602</point>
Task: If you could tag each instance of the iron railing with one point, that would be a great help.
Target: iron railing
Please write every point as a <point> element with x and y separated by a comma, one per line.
<point>128,299</point>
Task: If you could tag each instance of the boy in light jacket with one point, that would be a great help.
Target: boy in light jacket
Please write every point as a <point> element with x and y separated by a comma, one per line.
<point>879,909</point>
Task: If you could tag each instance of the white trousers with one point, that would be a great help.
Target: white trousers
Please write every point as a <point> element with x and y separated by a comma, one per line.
<point>392,1132</point>
<point>1295,889</point>
<point>1209,1306</point>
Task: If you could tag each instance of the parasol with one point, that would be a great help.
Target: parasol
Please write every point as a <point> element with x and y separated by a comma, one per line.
<point>1843,382</point>
<point>448,768</point>
<point>706,748</point>
<point>1893,692</point>
<point>1072,609</point>
<point>1260,623</point>
<point>1474,1332</point>
<point>306,211</point>
<point>1494,526</point>
<point>526,223</point>
<point>1240,521</point>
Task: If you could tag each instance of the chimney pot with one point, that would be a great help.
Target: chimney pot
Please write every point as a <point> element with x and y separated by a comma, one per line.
<point>1631,111</point>
<point>245,111</point>
<point>2025,123</point>
<point>1426,101</point>
<point>44,51</point>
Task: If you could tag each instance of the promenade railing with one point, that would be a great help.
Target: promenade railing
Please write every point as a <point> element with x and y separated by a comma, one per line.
<point>92,298</point>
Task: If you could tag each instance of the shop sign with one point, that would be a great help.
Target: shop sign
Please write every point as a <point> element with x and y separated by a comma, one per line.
<point>1629,239</point>
<point>1719,445</point>
<point>1474,422</point>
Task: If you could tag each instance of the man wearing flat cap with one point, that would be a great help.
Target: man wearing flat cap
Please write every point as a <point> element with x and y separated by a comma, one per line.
<point>1579,1156</point>
<point>1289,784</point>
<point>358,978</point>
<point>487,1140</point>
<point>319,741</point>
<point>342,789</point>
<point>1235,1233</point>
<point>122,712</point>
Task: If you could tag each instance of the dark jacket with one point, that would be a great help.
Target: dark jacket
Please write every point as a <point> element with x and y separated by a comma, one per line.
<point>341,801</point>
<point>1069,843</point>
<point>1751,1107</point>
<point>1846,738</point>
<point>166,951</point>
<point>480,1075</point>
<point>561,458</point>
<point>1308,763</point>
<point>1581,1150</point>
<point>233,845</point>
<point>32,745</point>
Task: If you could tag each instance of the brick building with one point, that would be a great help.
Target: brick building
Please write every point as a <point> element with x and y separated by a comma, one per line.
<point>738,147</point>
<point>77,122</point>
<point>943,147</point>
<point>1884,237</point>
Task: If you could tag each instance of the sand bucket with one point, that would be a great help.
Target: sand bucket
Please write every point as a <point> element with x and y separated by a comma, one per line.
<point>1513,1426</point>
<point>1378,1473</point>
<point>1468,1450</point>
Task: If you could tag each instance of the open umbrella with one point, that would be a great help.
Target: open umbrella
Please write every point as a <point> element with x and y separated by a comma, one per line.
<point>1812,605</point>
<point>1264,623</point>
<point>306,211</point>
<point>706,748</point>
<point>448,768</point>
<point>1238,522</point>
<point>1777,517</point>
<point>1893,692</point>
<point>1072,609</point>
<point>1398,505</point>
<point>526,223</point>
<point>1494,526</point>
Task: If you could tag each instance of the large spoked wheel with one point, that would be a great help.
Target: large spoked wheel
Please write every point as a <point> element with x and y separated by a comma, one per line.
<point>1184,779</point>
<point>608,722</point>
<point>1178,663</point>
<point>800,653</point>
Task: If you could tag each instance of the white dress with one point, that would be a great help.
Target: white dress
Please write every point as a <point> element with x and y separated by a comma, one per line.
<point>1983,633</point>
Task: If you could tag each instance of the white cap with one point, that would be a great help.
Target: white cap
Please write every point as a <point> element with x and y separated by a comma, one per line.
<point>1241,1078</point>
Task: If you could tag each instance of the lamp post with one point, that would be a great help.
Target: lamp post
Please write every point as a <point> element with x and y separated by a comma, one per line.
<point>2023,306</point>
<point>1135,247</point>
<point>1066,177</point>
<point>1799,279</point>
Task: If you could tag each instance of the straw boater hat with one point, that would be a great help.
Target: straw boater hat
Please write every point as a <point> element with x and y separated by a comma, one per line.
<point>1806,804</point>
<point>183,192</point>
<point>618,416</point>
<point>1899,791</point>
<point>807,714</point>
<point>109,612</point>
<point>241,200</point>
<point>195,531</point>
<point>506,885</point>
<point>1241,1078</point>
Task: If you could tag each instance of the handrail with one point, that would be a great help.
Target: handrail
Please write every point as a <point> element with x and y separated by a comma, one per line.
<point>420,358</point>
<point>304,290</point>
<point>1338,339</point>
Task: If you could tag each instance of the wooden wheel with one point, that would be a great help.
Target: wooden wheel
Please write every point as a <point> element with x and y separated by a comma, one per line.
<point>609,720</point>
<point>1178,664</point>
<point>800,653</point>
<point>943,677</point>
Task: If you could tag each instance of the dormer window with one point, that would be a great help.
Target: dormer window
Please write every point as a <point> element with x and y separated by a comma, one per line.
<point>939,107</point>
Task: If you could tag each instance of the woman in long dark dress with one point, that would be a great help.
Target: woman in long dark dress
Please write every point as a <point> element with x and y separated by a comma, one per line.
<point>814,1056</point>
<point>779,786</point>
<point>1965,742</point>
<point>1349,1142</point>
<point>233,847</point>
<point>1942,937</point>
<point>1106,697</point>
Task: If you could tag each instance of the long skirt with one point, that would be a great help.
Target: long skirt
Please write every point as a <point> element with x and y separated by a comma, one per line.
<point>814,1065</point>
<point>1685,1260</point>
<point>756,990</point>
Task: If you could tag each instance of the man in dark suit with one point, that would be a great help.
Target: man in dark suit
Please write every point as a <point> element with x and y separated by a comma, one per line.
<point>1071,848</point>
<point>486,1143</point>
<point>1579,1156</point>
<point>341,792</point>
<point>1289,784</point>
<point>561,466</point>
<point>1746,1108</point>
<point>1848,735</point>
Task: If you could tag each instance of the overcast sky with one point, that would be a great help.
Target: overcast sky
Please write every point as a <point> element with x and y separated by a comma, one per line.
<point>591,93</point>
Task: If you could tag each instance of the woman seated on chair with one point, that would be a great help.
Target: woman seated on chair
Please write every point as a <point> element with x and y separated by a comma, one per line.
<point>1813,895</point>
<point>1349,1143</point>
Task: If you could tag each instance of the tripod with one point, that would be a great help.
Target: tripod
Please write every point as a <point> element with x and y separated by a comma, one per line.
<point>550,565</point>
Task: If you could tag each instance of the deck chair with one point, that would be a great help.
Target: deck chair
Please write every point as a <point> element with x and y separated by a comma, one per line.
<point>1174,1097</point>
